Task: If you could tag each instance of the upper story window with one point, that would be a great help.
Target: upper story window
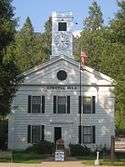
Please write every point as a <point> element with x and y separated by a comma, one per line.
<point>62,26</point>
<point>87,104</point>
<point>61,104</point>
<point>36,104</point>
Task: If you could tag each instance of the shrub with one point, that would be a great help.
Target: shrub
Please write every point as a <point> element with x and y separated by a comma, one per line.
<point>103,150</point>
<point>43,147</point>
<point>79,150</point>
<point>3,134</point>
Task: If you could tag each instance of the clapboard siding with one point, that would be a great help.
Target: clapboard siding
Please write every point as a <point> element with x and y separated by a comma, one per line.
<point>102,119</point>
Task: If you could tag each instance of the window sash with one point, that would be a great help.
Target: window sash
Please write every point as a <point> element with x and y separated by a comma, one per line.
<point>88,136</point>
<point>62,26</point>
<point>35,133</point>
<point>36,104</point>
<point>62,104</point>
<point>87,105</point>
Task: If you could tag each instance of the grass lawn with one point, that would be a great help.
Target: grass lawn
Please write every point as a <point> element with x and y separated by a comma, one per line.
<point>22,157</point>
<point>30,157</point>
<point>118,161</point>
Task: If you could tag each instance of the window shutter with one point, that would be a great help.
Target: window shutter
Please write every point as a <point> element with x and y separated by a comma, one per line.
<point>29,104</point>
<point>79,134</point>
<point>42,130</point>
<point>93,104</point>
<point>93,134</point>
<point>68,104</point>
<point>83,99</point>
<point>29,134</point>
<point>79,104</point>
<point>43,104</point>
<point>54,104</point>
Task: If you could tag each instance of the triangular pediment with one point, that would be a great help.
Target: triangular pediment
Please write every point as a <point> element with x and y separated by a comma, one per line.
<point>47,74</point>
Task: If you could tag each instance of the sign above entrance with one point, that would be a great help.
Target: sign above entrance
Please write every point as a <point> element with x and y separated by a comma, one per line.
<point>61,87</point>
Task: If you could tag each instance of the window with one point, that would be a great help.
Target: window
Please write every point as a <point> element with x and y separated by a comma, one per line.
<point>87,104</point>
<point>35,133</point>
<point>62,26</point>
<point>86,134</point>
<point>61,75</point>
<point>61,104</point>
<point>36,104</point>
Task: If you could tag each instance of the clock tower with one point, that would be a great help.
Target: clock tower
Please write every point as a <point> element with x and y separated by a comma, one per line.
<point>62,37</point>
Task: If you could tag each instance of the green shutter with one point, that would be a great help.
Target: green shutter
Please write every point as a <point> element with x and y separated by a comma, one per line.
<point>79,104</point>
<point>68,104</point>
<point>54,104</point>
<point>79,134</point>
<point>42,132</point>
<point>29,104</point>
<point>43,104</point>
<point>83,99</point>
<point>29,134</point>
<point>93,134</point>
<point>93,104</point>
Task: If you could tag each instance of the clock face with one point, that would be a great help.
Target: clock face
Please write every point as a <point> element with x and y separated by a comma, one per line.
<point>62,41</point>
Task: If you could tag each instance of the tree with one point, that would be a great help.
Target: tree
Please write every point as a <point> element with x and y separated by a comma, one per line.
<point>8,69</point>
<point>118,36</point>
<point>24,44</point>
<point>94,21</point>
<point>47,37</point>
<point>106,50</point>
<point>31,48</point>
<point>43,42</point>
<point>118,24</point>
<point>92,37</point>
<point>7,26</point>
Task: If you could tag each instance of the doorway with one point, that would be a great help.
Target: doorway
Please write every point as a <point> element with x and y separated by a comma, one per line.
<point>57,133</point>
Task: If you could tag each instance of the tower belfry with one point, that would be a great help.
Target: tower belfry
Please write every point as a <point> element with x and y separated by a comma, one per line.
<point>62,35</point>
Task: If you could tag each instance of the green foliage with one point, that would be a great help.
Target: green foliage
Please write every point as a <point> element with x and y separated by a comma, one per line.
<point>3,134</point>
<point>118,35</point>
<point>118,24</point>
<point>7,25</point>
<point>24,53</point>
<point>30,48</point>
<point>43,147</point>
<point>106,50</point>
<point>47,37</point>
<point>79,150</point>
<point>94,21</point>
<point>8,68</point>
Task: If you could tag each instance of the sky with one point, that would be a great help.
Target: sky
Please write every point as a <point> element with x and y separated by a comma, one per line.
<point>40,10</point>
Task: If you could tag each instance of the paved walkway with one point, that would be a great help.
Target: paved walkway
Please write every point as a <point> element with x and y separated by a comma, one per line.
<point>49,164</point>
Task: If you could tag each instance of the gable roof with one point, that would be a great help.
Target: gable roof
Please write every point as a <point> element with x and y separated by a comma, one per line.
<point>69,60</point>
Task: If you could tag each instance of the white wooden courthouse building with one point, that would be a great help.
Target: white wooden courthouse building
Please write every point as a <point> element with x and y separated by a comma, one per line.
<point>48,103</point>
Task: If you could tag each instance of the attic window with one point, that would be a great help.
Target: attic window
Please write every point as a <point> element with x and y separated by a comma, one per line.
<point>61,75</point>
<point>62,26</point>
